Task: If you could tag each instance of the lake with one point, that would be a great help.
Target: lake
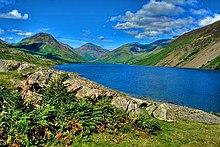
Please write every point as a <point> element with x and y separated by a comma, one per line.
<point>189,87</point>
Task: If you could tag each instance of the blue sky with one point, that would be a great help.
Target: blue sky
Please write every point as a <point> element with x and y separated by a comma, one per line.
<point>108,23</point>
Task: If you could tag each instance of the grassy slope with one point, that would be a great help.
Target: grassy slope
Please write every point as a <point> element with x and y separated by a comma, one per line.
<point>213,64</point>
<point>130,53</point>
<point>5,79</point>
<point>12,54</point>
<point>182,133</point>
<point>155,58</point>
<point>187,47</point>
<point>122,55</point>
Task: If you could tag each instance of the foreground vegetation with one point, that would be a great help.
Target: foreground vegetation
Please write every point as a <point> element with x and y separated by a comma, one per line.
<point>61,119</point>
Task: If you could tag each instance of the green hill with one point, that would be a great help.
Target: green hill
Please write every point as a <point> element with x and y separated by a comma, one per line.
<point>91,51</point>
<point>8,53</point>
<point>45,45</point>
<point>129,53</point>
<point>199,48</point>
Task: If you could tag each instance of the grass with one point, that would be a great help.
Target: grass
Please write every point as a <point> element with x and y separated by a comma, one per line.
<point>155,58</point>
<point>182,133</point>
<point>7,53</point>
<point>213,64</point>
<point>5,79</point>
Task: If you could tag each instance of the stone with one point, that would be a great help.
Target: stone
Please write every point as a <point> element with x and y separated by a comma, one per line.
<point>165,112</point>
<point>150,109</point>
<point>82,87</point>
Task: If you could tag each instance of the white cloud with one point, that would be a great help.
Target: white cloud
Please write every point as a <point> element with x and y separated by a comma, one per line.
<point>164,17</point>
<point>2,31</point>
<point>9,38</point>
<point>15,31</point>
<point>199,12</point>
<point>156,8</point>
<point>102,38</point>
<point>86,33</point>
<point>24,33</point>
<point>182,2</point>
<point>153,19</point>
<point>44,29</point>
<point>209,20</point>
<point>3,39</point>
<point>14,14</point>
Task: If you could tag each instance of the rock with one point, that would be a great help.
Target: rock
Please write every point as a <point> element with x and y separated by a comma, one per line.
<point>82,87</point>
<point>171,112</point>
<point>151,109</point>
<point>11,65</point>
<point>165,112</point>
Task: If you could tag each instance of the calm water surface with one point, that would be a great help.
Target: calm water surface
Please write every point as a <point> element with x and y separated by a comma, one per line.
<point>194,88</point>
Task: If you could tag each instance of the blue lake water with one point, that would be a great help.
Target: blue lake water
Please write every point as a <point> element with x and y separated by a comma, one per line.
<point>189,87</point>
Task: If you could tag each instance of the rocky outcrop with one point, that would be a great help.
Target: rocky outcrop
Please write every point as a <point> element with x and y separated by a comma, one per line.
<point>82,87</point>
<point>11,65</point>
<point>171,112</point>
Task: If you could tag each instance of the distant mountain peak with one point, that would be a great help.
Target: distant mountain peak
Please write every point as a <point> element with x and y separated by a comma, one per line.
<point>90,45</point>
<point>91,51</point>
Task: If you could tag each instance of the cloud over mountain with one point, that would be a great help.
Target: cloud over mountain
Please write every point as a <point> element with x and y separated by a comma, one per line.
<point>163,17</point>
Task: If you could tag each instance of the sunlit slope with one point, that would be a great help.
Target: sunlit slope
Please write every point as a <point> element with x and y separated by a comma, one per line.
<point>199,48</point>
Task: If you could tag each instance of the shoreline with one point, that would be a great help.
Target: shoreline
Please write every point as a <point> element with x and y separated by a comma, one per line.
<point>83,87</point>
<point>175,93</point>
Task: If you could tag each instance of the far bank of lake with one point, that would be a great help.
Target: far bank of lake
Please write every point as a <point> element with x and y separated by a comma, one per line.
<point>198,89</point>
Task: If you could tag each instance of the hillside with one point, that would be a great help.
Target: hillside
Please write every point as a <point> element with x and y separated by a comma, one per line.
<point>199,48</point>
<point>45,45</point>
<point>8,53</point>
<point>91,51</point>
<point>129,53</point>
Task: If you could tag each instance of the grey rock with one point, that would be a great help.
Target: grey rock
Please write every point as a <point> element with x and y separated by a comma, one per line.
<point>82,87</point>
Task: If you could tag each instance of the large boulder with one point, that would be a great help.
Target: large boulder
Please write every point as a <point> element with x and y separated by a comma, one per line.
<point>171,112</point>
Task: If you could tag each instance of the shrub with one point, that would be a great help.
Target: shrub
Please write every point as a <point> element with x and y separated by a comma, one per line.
<point>62,118</point>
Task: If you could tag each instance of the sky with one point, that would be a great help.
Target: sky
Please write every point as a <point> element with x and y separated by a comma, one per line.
<point>108,23</point>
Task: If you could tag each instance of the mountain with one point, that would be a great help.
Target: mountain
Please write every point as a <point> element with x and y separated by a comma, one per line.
<point>91,51</point>
<point>199,48</point>
<point>45,45</point>
<point>129,53</point>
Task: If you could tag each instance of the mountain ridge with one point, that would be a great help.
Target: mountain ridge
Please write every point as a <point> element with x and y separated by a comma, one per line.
<point>130,52</point>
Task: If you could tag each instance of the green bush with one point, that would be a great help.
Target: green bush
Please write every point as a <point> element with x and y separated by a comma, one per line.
<point>63,119</point>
